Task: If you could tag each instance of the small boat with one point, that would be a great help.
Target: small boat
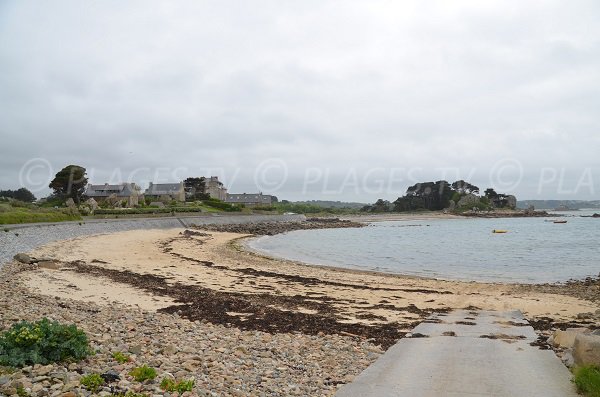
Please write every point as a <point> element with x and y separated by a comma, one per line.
<point>499,231</point>
<point>560,222</point>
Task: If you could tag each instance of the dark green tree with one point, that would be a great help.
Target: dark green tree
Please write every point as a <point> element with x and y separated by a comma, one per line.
<point>195,188</point>
<point>464,187</point>
<point>70,182</point>
<point>490,193</point>
<point>21,194</point>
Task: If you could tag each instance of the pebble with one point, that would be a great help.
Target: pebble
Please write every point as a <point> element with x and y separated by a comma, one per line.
<point>222,361</point>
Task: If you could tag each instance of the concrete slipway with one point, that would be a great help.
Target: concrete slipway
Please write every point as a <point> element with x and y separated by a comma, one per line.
<point>466,353</point>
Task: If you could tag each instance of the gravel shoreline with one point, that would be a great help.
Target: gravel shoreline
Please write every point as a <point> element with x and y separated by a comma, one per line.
<point>223,361</point>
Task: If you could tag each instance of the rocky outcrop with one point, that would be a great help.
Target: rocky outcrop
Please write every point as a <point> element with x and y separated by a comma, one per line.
<point>586,349</point>
<point>506,214</point>
<point>566,338</point>
<point>272,228</point>
<point>469,200</point>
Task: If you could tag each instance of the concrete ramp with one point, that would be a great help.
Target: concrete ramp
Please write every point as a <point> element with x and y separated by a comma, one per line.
<point>466,353</point>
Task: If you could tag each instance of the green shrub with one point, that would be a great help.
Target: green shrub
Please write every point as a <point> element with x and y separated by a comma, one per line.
<point>121,358</point>
<point>143,373</point>
<point>42,342</point>
<point>587,380</point>
<point>21,392</point>
<point>92,382</point>
<point>170,385</point>
<point>147,210</point>
<point>214,203</point>
<point>129,394</point>
<point>264,208</point>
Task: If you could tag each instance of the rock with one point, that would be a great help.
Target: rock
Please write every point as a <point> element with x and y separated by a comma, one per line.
<point>567,338</point>
<point>586,349</point>
<point>44,370</point>
<point>170,349</point>
<point>568,359</point>
<point>111,376</point>
<point>4,380</point>
<point>52,265</point>
<point>23,258</point>
<point>468,200</point>
<point>69,394</point>
<point>135,349</point>
<point>93,204</point>
<point>585,316</point>
<point>10,391</point>
<point>69,386</point>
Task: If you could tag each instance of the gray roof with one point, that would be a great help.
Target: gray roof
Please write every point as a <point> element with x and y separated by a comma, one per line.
<point>121,190</point>
<point>157,189</point>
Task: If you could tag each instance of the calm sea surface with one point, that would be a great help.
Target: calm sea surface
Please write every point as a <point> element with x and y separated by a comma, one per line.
<point>534,250</point>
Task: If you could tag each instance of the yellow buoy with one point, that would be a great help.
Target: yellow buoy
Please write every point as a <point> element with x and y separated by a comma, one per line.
<point>499,231</point>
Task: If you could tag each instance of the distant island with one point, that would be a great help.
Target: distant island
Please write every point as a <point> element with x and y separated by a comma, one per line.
<point>564,205</point>
<point>459,197</point>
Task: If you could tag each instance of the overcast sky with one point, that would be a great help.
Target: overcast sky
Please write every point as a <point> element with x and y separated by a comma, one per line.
<point>304,99</point>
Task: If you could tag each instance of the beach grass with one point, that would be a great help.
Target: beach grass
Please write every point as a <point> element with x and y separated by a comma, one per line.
<point>32,214</point>
<point>587,380</point>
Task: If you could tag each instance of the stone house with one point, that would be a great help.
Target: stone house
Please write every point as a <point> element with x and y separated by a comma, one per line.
<point>215,189</point>
<point>129,192</point>
<point>166,191</point>
<point>250,200</point>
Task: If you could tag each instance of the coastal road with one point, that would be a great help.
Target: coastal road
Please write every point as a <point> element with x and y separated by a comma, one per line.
<point>466,353</point>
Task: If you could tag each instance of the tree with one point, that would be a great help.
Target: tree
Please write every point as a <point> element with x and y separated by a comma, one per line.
<point>195,188</point>
<point>465,187</point>
<point>21,194</point>
<point>490,194</point>
<point>70,182</point>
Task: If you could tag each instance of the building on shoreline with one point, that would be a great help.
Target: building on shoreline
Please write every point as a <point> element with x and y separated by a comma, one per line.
<point>166,191</point>
<point>215,189</point>
<point>250,200</point>
<point>130,192</point>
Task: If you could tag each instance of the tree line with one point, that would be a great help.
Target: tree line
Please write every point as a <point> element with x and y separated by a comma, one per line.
<point>440,195</point>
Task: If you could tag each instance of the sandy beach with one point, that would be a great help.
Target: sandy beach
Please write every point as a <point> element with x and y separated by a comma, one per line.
<point>207,279</point>
<point>218,262</point>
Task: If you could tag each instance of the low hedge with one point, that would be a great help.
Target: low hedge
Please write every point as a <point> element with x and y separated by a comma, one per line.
<point>127,211</point>
<point>221,205</point>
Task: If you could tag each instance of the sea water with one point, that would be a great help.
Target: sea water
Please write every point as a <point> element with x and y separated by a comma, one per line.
<point>534,250</point>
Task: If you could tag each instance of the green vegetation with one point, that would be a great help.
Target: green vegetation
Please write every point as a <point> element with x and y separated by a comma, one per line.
<point>92,382</point>
<point>42,342</point>
<point>121,358</point>
<point>196,187</point>
<point>21,194</point>
<point>218,204</point>
<point>70,182</point>
<point>587,380</point>
<point>170,385</point>
<point>149,210</point>
<point>15,211</point>
<point>143,373</point>
<point>460,196</point>
<point>21,392</point>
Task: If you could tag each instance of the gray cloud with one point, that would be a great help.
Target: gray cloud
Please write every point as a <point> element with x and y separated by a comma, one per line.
<point>350,91</point>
